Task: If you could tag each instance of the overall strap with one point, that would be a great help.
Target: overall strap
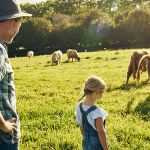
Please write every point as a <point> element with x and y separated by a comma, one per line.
<point>87,127</point>
<point>92,108</point>
<point>81,109</point>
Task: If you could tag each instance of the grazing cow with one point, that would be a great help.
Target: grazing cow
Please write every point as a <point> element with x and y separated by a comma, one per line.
<point>30,54</point>
<point>59,55</point>
<point>144,60</point>
<point>134,62</point>
<point>73,54</point>
<point>56,57</point>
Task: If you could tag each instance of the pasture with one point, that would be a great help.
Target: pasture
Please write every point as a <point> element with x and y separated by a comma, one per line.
<point>47,96</point>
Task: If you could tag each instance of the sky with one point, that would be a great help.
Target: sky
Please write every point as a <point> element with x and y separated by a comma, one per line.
<point>30,1</point>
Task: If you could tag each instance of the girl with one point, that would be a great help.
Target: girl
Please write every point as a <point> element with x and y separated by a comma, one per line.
<point>92,118</point>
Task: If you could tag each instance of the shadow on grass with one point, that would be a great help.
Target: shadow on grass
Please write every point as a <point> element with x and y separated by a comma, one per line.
<point>129,105</point>
<point>127,87</point>
<point>47,65</point>
<point>87,57</point>
<point>114,58</point>
<point>98,58</point>
<point>143,109</point>
<point>67,146</point>
<point>48,62</point>
<point>16,68</point>
<point>66,61</point>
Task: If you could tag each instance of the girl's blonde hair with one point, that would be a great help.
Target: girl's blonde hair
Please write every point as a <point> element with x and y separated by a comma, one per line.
<point>93,84</point>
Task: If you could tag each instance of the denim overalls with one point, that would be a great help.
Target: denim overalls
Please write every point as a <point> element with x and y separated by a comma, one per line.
<point>90,139</point>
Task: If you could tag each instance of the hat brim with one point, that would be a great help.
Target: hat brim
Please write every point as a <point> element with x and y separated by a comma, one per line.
<point>21,14</point>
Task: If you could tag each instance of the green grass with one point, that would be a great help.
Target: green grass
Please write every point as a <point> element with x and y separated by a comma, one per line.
<point>47,96</point>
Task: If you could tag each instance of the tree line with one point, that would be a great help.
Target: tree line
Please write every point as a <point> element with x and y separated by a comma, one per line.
<point>83,25</point>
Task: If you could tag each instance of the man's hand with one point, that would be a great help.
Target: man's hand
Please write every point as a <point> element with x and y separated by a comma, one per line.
<point>9,126</point>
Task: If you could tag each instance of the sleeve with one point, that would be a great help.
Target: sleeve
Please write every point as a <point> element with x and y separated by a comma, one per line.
<point>99,113</point>
<point>78,116</point>
<point>2,64</point>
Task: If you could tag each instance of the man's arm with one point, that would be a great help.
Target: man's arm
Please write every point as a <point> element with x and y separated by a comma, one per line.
<point>101,133</point>
<point>7,126</point>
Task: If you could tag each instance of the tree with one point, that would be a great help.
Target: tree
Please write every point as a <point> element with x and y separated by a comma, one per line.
<point>33,35</point>
<point>38,9</point>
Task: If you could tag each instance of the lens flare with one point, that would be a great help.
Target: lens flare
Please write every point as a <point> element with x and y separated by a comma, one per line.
<point>99,29</point>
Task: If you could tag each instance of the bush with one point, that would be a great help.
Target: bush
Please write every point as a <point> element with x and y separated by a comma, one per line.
<point>132,29</point>
<point>33,34</point>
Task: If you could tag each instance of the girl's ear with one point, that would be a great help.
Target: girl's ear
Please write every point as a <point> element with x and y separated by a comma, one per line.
<point>94,94</point>
<point>97,92</point>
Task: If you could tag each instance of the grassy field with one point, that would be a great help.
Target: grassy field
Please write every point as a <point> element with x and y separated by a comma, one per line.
<point>47,96</point>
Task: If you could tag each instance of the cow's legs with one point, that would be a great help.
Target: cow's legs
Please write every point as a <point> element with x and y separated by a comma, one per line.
<point>134,73</point>
<point>129,73</point>
<point>130,70</point>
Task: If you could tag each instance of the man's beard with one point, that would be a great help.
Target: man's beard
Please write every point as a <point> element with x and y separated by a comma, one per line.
<point>12,36</point>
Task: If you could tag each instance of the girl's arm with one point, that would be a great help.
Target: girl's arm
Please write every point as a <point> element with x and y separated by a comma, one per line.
<point>81,129</point>
<point>101,133</point>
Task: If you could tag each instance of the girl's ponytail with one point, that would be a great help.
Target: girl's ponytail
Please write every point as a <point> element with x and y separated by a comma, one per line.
<point>86,92</point>
<point>82,97</point>
<point>93,84</point>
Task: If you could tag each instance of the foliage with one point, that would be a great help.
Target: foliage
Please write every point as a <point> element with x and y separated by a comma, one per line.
<point>33,35</point>
<point>84,25</point>
<point>132,28</point>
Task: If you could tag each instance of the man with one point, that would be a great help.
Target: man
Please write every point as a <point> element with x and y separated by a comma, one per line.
<point>10,22</point>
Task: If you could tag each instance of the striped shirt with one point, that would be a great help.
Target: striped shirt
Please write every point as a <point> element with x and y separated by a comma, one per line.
<point>7,95</point>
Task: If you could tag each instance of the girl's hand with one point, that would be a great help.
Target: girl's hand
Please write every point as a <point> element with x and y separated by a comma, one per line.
<point>9,126</point>
<point>101,133</point>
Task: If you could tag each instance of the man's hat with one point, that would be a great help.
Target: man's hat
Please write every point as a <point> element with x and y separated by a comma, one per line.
<point>10,9</point>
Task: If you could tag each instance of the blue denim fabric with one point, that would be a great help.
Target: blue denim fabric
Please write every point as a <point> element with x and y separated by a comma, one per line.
<point>90,139</point>
<point>91,143</point>
<point>5,146</point>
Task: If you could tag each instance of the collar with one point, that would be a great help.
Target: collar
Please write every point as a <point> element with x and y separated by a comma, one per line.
<point>4,45</point>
